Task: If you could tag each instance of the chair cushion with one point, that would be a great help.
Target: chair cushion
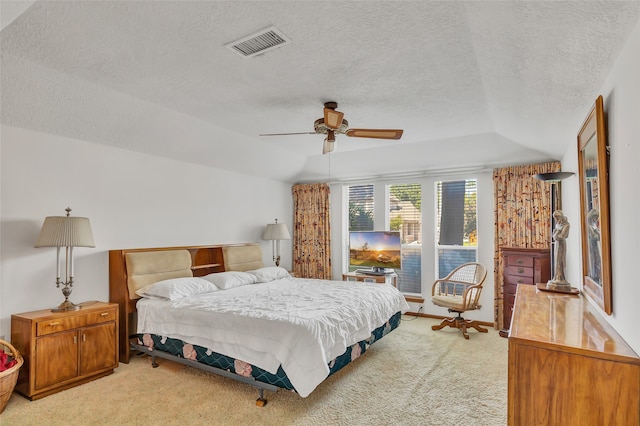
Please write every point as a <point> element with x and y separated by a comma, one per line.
<point>452,302</point>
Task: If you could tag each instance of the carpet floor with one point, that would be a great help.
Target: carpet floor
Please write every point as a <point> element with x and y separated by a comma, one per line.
<point>414,376</point>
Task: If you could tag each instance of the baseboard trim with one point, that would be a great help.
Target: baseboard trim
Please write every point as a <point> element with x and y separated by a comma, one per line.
<point>440,317</point>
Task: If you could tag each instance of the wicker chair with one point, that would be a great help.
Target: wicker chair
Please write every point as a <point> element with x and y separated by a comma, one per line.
<point>460,292</point>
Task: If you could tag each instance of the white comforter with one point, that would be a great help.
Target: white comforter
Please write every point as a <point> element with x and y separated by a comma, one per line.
<point>301,324</point>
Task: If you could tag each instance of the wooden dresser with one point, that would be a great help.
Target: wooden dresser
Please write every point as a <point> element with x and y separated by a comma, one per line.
<point>65,349</point>
<point>521,266</point>
<point>567,365</point>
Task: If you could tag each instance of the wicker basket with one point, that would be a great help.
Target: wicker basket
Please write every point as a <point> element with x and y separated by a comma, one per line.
<point>9,377</point>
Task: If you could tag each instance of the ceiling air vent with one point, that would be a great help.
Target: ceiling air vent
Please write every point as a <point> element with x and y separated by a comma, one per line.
<point>260,42</point>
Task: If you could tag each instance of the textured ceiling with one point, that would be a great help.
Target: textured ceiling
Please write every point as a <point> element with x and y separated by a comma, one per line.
<point>473,84</point>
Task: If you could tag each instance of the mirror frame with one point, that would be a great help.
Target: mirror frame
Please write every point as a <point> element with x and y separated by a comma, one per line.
<point>594,131</point>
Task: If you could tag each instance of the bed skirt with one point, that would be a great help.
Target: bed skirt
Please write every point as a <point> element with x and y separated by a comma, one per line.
<point>205,356</point>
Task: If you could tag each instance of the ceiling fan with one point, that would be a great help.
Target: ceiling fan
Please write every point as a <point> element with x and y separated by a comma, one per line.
<point>333,122</point>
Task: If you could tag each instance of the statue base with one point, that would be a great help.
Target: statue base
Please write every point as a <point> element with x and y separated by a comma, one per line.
<point>557,289</point>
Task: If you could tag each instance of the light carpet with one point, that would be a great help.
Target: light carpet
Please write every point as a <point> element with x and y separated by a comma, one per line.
<point>414,376</point>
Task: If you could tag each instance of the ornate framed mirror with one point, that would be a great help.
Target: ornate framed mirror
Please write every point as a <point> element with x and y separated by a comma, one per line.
<point>593,164</point>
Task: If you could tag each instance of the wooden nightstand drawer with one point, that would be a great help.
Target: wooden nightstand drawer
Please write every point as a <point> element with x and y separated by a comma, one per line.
<point>102,316</point>
<point>58,323</point>
<point>55,325</point>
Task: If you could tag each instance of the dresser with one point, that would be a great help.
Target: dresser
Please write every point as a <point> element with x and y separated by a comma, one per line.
<point>567,365</point>
<point>65,349</point>
<point>521,266</point>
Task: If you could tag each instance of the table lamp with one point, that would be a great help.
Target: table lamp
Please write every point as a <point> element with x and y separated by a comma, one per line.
<point>68,232</point>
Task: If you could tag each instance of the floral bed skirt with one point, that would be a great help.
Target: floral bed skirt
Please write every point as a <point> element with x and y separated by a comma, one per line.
<point>206,356</point>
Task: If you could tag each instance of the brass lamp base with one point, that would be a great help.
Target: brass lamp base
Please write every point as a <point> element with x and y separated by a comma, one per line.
<point>66,306</point>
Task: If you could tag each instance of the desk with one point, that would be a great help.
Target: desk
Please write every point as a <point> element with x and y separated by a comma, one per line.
<point>391,278</point>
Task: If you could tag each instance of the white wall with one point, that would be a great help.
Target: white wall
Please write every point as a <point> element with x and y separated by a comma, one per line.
<point>621,93</point>
<point>485,206</point>
<point>132,200</point>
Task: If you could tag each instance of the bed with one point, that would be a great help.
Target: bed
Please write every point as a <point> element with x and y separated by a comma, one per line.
<point>219,309</point>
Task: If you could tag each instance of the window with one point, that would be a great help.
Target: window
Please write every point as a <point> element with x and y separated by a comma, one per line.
<point>394,206</point>
<point>456,229</point>
<point>405,215</point>
<point>361,208</point>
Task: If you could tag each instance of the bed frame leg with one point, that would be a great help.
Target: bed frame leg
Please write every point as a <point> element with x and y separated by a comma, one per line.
<point>261,402</point>
<point>154,364</point>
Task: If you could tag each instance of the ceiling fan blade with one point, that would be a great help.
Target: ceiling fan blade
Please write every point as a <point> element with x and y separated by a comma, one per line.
<point>332,118</point>
<point>286,134</point>
<point>375,133</point>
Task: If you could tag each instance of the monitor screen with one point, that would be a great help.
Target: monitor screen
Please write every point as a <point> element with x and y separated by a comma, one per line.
<point>374,249</point>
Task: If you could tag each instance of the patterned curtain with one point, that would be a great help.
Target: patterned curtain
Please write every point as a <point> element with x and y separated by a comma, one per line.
<point>522,216</point>
<point>311,231</point>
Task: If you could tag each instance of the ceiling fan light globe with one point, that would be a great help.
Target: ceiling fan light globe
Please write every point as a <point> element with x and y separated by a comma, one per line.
<point>328,146</point>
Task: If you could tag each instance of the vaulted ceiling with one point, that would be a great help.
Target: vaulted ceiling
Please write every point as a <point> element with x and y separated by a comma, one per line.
<point>474,84</point>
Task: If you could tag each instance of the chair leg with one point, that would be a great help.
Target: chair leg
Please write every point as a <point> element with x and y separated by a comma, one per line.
<point>478,327</point>
<point>463,328</point>
<point>461,324</point>
<point>447,322</point>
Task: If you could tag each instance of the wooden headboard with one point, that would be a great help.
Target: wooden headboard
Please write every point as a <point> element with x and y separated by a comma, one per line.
<point>126,273</point>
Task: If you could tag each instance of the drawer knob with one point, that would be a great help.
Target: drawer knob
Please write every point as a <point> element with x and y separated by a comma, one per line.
<point>104,314</point>
<point>52,324</point>
<point>519,261</point>
<point>520,270</point>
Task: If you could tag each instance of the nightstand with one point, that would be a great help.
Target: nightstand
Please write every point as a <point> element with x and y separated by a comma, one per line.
<point>380,279</point>
<point>65,349</point>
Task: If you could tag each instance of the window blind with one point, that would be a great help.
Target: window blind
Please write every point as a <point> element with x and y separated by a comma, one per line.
<point>456,231</point>
<point>361,207</point>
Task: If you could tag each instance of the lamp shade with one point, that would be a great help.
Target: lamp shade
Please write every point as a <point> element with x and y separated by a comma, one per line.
<point>65,231</point>
<point>276,231</point>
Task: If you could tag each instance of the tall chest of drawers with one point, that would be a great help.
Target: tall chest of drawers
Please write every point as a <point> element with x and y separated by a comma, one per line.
<point>521,266</point>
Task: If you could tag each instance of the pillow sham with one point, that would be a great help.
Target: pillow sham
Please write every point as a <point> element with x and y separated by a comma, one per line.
<point>176,288</point>
<point>269,273</point>
<point>230,279</point>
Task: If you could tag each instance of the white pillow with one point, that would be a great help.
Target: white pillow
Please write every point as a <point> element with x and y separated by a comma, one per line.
<point>230,279</point>
<point>176,288</point>
<point>269,273</point>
